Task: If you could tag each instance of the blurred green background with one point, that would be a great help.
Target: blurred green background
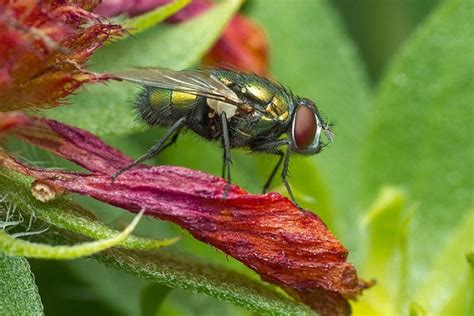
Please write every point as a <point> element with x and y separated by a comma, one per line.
<point>379,28</point>
<point>395,187</point>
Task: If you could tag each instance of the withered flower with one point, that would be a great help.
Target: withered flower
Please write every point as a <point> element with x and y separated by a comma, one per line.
<point>43,47</point>
<point>285,246</point>
<point>243,44</point>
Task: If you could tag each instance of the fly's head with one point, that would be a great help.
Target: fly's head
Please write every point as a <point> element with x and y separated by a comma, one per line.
<point>308,128</point>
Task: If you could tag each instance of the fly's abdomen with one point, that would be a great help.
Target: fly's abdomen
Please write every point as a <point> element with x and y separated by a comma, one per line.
<point>158,106</point>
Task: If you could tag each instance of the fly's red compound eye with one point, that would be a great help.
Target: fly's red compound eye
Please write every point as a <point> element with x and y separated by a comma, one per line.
<point>304,128</point>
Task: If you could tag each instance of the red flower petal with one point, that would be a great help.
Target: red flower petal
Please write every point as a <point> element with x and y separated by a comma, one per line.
<point>43,46</point>
<point>284,245</point>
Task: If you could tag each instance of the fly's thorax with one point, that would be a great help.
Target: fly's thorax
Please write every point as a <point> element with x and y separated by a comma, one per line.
<point>264,110</point>
<point>259,95</point>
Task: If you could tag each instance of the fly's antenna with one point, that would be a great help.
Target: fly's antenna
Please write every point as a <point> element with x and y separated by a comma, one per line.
<point>328,132</point>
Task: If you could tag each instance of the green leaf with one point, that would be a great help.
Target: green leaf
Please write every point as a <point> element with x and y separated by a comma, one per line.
<point>107,109</point>
<point>199,277</point>
<point>197,305</point>
<point>380,27</point>
<point>152,298</point>
<point>64,292</point>
<point>416,310</point>
<point>470,258</point>
<point>311,54</point>
<point>147,20</point>
<point>18,247</point>
<point>420,135</point>
<point>386,224</point>
<point>18,292</point>
<point>447,289</point>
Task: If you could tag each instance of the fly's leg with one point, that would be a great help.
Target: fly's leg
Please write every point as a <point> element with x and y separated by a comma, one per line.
<point>171,142</point>
<point>227,158</point>
<point>284,173</point>
<point>272,148</point>
<point>274,171</point>
<point>157,148</point>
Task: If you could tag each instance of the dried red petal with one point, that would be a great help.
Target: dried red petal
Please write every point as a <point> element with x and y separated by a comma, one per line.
<point>284,245</point>
<point>43,46</point>
<point>12,120</point>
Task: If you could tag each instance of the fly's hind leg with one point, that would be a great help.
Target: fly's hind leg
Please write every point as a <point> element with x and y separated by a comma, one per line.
<point>227,158</point>
<point>173,132</point>
<point>173,140</point>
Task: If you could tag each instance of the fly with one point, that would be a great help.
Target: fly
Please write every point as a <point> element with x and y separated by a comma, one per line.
<point>239,109</point>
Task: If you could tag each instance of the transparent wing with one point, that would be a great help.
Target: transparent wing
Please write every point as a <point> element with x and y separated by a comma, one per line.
<point>198,82</point>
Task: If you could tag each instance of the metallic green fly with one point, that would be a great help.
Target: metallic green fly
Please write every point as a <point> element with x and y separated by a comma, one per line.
<point>241,110</point>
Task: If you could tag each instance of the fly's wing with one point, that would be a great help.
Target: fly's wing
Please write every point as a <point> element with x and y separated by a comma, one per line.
<point>198,82</point>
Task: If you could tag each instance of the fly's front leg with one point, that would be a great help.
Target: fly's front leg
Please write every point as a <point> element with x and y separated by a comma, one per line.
<point>227,159</point>
<point>272,148</point>
<point>157,148</point>
<point>284,173</point>
<point>274,171</point>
